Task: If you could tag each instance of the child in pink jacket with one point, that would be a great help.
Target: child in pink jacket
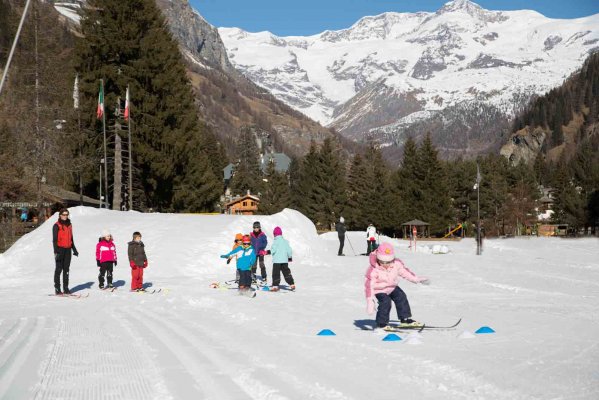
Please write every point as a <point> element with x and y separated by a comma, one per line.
<point>105,258</point>
<point>382,277</point>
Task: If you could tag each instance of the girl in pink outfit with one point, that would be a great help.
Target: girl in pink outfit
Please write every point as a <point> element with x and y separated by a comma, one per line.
<point>382,277</point>
<point>105,258</point>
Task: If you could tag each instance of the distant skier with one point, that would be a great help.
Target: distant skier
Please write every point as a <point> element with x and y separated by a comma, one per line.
<point>281,257</point>
<point>340,227</point>
<point>63,243</point>
<point>246,257</point>
<point>138,262</point>
<point>259,242</point>
<point>370,239</point>
<point>382,277</point>
<point>105,258</point>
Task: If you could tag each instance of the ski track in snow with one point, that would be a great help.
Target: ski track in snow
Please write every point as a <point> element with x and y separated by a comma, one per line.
<point>193,342</point>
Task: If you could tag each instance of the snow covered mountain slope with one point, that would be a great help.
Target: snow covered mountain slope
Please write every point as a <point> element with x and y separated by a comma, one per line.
<point>387,71</point>
<point>195,342</point>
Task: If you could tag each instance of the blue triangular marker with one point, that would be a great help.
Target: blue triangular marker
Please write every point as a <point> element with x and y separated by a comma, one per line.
<point>485,329</point>
<point>326,332</point>
<point>392,337</point>
<point>265,288</point>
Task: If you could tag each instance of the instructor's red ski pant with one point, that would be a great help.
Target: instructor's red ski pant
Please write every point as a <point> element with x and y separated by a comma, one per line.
<point>137,278</point>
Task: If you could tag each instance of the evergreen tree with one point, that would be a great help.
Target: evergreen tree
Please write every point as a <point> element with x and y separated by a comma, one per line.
<point>379,198</point>
<point>247,174</point>
<point>359,191</point>
<point>434,204</point>
<point>405,190</point>
<point>127,43</point>
<point>330,183</point>
<point>305,192</point>
<point>277,195</point>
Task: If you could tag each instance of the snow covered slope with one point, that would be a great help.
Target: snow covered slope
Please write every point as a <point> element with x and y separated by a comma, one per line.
<point>386,71</point>
<point>194,342</point>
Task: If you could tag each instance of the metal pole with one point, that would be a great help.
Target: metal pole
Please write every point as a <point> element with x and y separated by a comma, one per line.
<point>350,245</point>
<point>478,238</point>
<point>101,161</point>
<point>14,45</point>
<point>130,155</point>
<point>104,131</point>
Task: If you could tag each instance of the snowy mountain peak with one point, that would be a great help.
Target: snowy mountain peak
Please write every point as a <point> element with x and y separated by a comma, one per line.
<point>460,5</point>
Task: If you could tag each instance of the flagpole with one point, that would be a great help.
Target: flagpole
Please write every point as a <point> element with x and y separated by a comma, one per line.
<point>478,235</point>
<point>130,152</point>
<point>104,131</point>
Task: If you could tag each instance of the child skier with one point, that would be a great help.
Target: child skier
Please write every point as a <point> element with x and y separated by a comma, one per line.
<point>138,261</point>
<point>259,242</point>
<point>236,244</point>
<point>246,257</point>
<point>105,258</point>
<point>281,257</point>
<point>382,277</point>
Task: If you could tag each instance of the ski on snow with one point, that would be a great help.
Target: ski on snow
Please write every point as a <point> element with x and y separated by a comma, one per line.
<point>151,291</point>
<point>424,327</point>
<point>72,295</point>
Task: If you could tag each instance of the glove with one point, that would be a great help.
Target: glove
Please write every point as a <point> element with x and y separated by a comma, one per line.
<point>370,305</point>
<point>56,256</point>
<point>115,263</point>
<point>289,259</point>
<point>145,263</point>
<point>75,253</point>
<point>132,264</point>
<point>224,256</point>
<point>228,260</point>
<point>98,263</point>
<point>268,252</point>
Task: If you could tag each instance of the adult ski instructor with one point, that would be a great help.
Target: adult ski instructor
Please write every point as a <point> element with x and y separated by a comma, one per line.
<point>340,227</point>
<point>62,239</point>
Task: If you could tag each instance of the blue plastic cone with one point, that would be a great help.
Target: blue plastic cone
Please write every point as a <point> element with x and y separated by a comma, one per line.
<point>326,332</point>
<point>392,337</point>
<point>485,329</point>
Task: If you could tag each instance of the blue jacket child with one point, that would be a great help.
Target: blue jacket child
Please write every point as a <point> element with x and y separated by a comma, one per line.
<point>246,257</point>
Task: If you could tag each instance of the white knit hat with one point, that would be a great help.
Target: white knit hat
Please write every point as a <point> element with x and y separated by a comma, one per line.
<point>341,219</point>
<point>105,233</point>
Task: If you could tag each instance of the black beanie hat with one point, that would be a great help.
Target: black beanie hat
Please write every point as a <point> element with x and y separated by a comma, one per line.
<point>256,224</point>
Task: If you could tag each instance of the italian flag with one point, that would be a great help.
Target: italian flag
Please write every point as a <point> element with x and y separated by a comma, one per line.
<point>100,111</point>
<point>127,105</point>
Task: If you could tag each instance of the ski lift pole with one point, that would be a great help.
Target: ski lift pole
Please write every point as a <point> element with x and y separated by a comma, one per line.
<point>14,45</point>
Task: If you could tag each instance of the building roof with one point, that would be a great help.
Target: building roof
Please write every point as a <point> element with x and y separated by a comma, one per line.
<point>245,197</point>
<point>415,222</point>
<point>281,160</point>
<point>66,196</point>
<point>228,171</point>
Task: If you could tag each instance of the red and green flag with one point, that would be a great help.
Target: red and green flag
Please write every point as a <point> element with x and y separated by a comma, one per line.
<point>100,110</point>
<point>127,104</point>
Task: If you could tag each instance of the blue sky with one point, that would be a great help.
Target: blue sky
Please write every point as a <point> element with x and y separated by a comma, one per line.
<point>307,17</point>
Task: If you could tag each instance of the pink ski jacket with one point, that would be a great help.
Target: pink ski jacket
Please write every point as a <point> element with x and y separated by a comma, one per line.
<point>105,251</point>
<point>384,279</point>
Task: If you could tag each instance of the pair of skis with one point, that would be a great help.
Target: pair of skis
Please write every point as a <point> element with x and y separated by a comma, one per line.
<point>71,295</point>
<point>395,326</point>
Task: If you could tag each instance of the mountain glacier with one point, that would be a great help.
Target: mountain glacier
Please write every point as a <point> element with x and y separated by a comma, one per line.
<point>388,75</point>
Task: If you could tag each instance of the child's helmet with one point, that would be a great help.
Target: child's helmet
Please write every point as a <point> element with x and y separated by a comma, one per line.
<point>239,236</point>
<point>246,239</point>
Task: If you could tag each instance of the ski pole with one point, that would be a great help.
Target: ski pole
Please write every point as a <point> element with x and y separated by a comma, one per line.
<point>350,245</point>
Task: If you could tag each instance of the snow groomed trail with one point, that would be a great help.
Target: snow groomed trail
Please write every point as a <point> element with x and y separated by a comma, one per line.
<point>190,341</point>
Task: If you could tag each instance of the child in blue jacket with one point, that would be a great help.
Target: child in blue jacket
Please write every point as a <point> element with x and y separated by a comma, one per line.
<point>281,257</point>
<point>246,257</point>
